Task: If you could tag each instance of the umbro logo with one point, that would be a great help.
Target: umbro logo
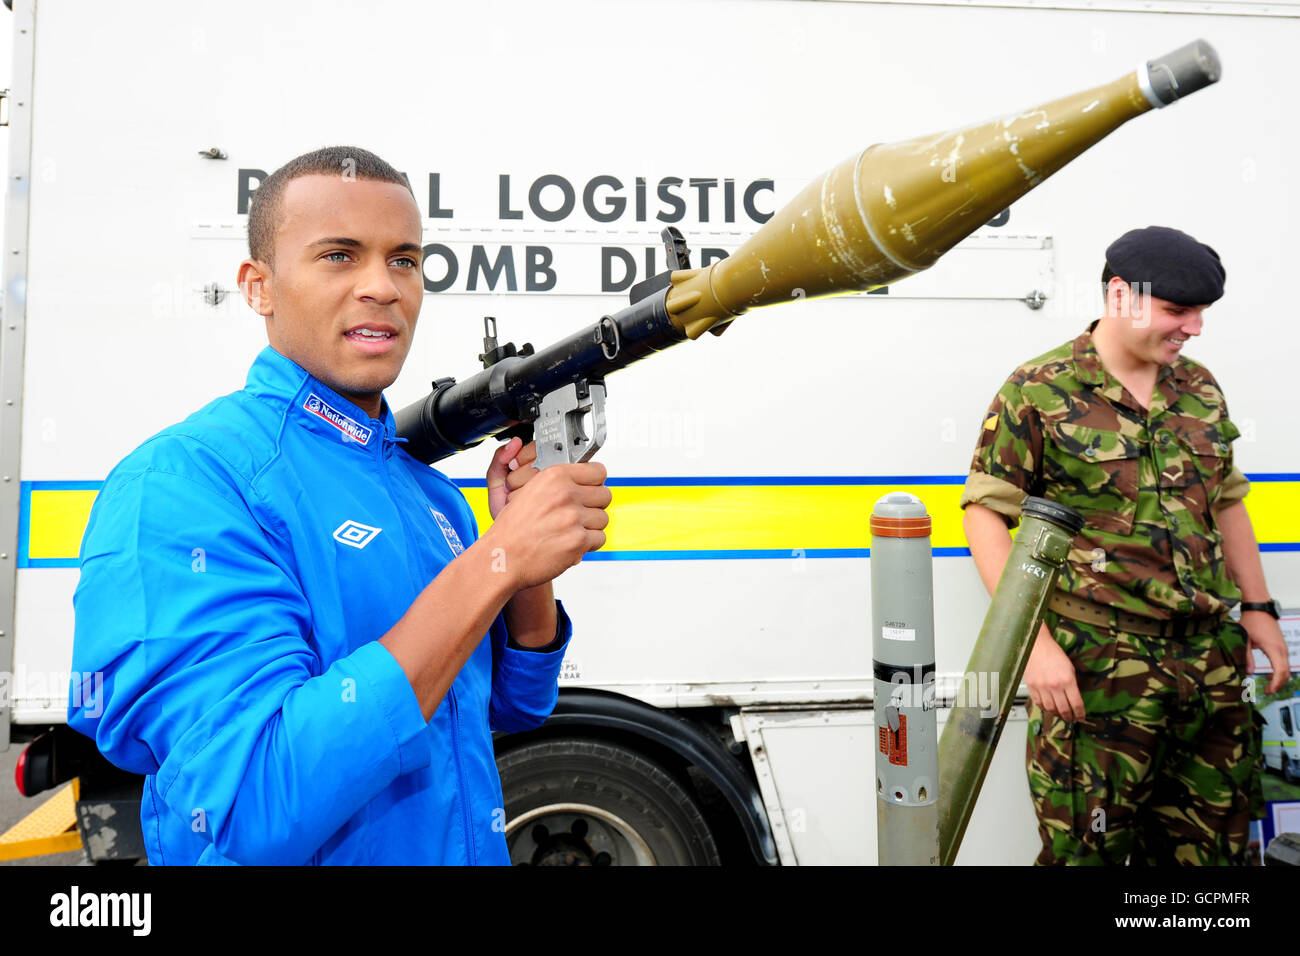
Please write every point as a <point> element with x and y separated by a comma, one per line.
<point>355,534</point>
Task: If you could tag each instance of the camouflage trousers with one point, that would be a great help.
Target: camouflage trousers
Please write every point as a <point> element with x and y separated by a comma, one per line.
<point>1165,767</point>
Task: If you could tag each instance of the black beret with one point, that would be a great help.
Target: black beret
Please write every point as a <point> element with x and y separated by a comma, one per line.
<point>1178,268</point>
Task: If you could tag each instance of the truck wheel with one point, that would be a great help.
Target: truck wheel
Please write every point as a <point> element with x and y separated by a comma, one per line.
<point>1289,772</point>
<point>578,802</point>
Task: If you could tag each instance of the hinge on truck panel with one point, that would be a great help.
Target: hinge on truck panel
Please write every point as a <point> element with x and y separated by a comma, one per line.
<point>737,727</point>
<point>4,107</point>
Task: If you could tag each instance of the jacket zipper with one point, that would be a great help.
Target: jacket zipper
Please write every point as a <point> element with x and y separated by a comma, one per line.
<point>470,848</point>
<point>460,776</point>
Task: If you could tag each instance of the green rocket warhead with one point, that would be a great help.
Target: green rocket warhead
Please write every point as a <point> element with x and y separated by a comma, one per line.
<point>998,661</point>
<point>893,210</point>
<point>877,217</point>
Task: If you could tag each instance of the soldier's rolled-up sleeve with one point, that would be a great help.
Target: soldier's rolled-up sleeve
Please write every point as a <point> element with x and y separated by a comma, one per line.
<point>1233,489</point>
<point>1007,465</point>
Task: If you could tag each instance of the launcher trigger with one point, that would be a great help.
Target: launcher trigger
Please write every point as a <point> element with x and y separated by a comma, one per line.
<point>561,437</point>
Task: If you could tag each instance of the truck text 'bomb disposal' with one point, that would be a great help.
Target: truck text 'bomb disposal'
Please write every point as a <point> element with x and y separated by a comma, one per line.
<point>551,198</point>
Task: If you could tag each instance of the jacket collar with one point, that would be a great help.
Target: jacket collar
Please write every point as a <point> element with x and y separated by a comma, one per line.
<point>1088,367</point>
<point>315,406</point>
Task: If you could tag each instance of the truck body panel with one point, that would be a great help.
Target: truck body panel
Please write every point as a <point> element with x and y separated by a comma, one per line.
<point>743,468</point>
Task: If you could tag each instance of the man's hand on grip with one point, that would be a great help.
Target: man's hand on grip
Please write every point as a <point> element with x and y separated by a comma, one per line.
<point>546,520</point>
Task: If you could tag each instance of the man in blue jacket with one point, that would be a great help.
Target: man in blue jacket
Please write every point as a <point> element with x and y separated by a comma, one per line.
<point>305,644</point>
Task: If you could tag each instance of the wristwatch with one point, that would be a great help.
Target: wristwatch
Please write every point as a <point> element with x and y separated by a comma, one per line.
<point>1271,606</point>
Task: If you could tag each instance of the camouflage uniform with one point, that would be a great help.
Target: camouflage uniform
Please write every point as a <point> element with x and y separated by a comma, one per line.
<point>1165,766</point>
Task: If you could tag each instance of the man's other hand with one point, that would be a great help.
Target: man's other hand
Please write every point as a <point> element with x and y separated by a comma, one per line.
<point>1266,634</point>
<point>1051,680</point>
<point>512,465</point>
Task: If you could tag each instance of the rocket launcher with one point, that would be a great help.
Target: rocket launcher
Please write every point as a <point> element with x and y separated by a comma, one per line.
<point>877,217</point>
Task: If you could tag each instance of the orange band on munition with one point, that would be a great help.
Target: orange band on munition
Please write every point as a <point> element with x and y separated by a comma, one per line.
<point>887,527</point>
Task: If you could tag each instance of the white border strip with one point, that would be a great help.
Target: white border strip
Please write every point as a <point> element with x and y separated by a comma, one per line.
<point>14,325</point>
<point>1210,8</point>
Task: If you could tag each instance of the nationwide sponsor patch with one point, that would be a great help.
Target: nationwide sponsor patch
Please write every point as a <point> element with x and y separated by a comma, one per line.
<point>352,430</point>
<point>448,532</point>
<point>355,534</point>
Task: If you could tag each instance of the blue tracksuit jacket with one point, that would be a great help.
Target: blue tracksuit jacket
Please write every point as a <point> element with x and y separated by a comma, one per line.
<point>236,573</point>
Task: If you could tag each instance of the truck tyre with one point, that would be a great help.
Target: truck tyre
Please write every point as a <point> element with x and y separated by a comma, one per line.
<point>1290,773</point>
<point>578,802</point>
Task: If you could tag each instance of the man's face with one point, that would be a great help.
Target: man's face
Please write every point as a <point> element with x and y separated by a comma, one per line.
<point>346,288</point>
<point>1154,330</point>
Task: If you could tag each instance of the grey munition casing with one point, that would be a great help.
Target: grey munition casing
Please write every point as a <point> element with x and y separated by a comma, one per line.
<point>902,650</point>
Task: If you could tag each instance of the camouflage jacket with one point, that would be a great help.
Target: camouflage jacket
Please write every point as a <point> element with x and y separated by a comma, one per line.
<point>1148,482</point>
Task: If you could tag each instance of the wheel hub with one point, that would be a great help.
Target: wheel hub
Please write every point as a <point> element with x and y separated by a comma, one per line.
<point>565,834</point>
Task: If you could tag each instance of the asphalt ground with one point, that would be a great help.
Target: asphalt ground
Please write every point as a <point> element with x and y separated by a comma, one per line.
<point>14,806</point>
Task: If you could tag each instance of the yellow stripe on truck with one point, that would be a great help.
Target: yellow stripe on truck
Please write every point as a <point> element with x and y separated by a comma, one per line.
<point>57,522</point>
<point>1274,509</point>
<point>755,517</point>
<point>723,517</point>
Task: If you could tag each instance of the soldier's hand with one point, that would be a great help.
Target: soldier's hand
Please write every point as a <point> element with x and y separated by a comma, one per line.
<point>548,523</point>
<point>1051,680</point>
<point>1265,633</point>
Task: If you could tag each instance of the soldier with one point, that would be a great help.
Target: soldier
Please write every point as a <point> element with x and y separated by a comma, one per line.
<point>1143,738</point>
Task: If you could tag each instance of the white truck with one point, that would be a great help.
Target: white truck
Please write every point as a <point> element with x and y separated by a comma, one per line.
<point>716,700</point>
<point>1282,738</point>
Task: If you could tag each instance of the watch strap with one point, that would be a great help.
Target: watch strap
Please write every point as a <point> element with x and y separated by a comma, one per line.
<point>1269,607</point>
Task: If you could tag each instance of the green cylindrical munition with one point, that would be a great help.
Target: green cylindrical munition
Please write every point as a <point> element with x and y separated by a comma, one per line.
<point>998,662</point>
<point>893,210</point>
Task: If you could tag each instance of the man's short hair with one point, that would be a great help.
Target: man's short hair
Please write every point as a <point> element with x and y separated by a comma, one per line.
<point>264,211</point>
